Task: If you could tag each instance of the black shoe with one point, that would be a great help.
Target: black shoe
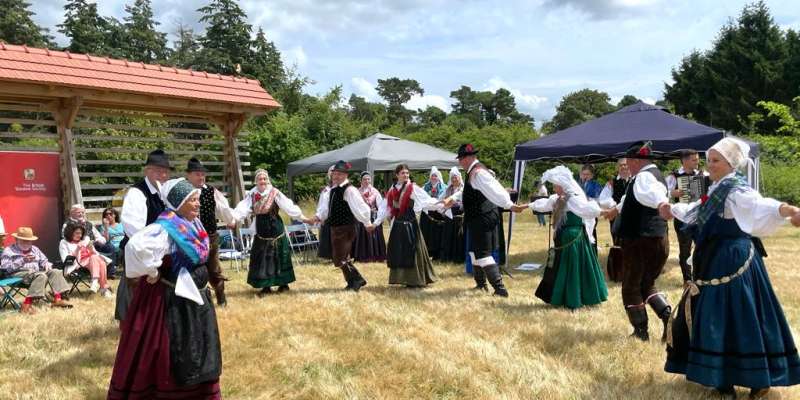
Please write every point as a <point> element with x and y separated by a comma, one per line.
<point>356,281</point>
<point>283,288</point>
<point>221,300</point>
<point>265,291</point>
<point>726,392</point>
<point>758,393</point>
<point>481,287</point>
<point>638,318</point>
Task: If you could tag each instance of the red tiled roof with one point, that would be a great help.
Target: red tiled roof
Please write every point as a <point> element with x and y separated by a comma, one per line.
<point>21,63</point>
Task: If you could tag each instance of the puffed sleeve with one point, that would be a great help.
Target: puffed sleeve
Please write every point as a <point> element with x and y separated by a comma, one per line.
<point>485,182</point>
<point>323,203</point>
<point>681,211</point>
<point>755,214</point>
<point>544,205</point>
<point>649,191</point>
<point>244,208</point>
<point>358,206</point>
<point>223,209</point>
<point>422,201</point>
<point>586,209</point>
<point>606,198</point>
<point>144,251</point>
<point>134,211</point>
<point>288,206</point>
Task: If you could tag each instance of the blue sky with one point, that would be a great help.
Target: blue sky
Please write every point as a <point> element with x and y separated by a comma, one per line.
<point>540,50</point>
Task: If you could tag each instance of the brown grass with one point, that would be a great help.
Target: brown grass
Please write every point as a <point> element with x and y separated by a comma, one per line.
<point>443,342</point>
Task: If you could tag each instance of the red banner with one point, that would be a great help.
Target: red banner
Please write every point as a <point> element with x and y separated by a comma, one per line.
<point>30,195</point>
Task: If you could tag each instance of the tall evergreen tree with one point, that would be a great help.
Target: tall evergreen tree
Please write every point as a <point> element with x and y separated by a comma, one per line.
<point>17,26</point>
<point>691,90</point>
<point>144,43</point>
<point>579,107</point>
<point>265,63</point>
<point>226,42</point>
<point>85,28</point>
<point>185,47</point>
<point>792,67</point>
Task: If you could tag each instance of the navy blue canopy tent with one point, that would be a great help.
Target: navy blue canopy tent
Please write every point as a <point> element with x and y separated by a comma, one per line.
<point>605,139</point>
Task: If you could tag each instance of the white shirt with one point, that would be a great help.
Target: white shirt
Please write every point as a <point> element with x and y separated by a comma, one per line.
<point>422,202</point>
<point>484,181</point>
<point>587,210</point>
<point>245,207</point>
<point>322,203</point>
<point>354,200</point>
<point>647,189</point>
<point>755,215</point>
<point>66,248</point>
<point>606,197</point>
<point>134,209</point>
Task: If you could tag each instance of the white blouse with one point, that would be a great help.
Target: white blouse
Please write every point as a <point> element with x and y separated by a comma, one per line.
<point>647,189</point>
<point>245,207</point>
<point>587,210</point>
<point>485,182</point>
<point>66,248</point>
<point>422,202</point>
<point>756,215</point>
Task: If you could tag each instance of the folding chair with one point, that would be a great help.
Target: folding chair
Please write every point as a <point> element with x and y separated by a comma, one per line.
<point>301,240</point>
<point>11,287</point>
<point>246,236</point>
<point>227,248</point>
<point>77,277</point>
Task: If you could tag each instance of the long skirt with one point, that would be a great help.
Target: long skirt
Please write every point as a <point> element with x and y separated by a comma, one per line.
<point>431,225</point>
<point>453,241</point>
<point>169,347</point>
<point>270,263</point>
<point>407,256</point>
<point>324,250</point>
<point>740,336</point>
<point>576,279</point>
<point>369,247</point>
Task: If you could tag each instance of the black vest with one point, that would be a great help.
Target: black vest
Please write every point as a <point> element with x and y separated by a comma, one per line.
<point>339,213</point>
<point>637,220</point>
<point>154,204</point>
<point>619,187</point>
<point>479,213</point>
<point>208,209</point>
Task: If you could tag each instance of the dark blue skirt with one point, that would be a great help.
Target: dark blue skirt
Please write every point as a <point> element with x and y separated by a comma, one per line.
<point>739,335</point>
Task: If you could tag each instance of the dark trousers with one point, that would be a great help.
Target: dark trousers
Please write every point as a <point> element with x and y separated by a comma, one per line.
<point>644,259</point>
<point>342,238</point>
<point>215,277</point>
<point>685,247</point>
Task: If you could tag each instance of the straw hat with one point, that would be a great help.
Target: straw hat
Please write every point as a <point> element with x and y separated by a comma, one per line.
<point>24,233</point>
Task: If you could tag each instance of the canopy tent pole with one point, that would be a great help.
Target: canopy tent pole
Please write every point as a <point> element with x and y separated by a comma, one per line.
<point>519,173</point>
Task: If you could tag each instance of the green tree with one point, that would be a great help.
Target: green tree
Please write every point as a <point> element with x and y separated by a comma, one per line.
<point>85,28</point>
<point>431,116</point>
<point>792,68</point>
<point>397,92</point>
<point>144,43</point>
<point>627,100</point>
<point>226,42</point>
<point>362,110</point>
<point>17,26</point>
<point>265,63</point>
<point>581,106</point>
<point>185,47</point>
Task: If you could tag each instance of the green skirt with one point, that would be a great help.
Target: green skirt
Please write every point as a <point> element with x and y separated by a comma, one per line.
<point>270,263</point>
<point>421,272</point>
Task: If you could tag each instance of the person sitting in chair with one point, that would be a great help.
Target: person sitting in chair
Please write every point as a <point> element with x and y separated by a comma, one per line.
<point>77,245</point>
<point>26,261</point>
<point>77,215</point>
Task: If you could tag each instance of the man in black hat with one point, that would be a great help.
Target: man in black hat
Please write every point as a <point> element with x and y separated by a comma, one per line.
<point>643,234</point>
<point>345,208</point>
<point>140,207</point>
<point>481,197</point>
<point>213,204</point>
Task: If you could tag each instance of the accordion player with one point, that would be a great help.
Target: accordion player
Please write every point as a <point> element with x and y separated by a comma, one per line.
<point>693,187</point>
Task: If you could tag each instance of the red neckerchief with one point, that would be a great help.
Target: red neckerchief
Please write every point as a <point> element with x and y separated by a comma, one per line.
<point>367,195</point>
<point>404,194</point>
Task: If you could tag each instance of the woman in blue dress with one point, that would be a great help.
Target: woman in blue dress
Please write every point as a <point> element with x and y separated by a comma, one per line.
<point>729,329</point>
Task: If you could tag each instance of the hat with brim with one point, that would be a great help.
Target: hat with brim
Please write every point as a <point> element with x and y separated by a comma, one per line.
<point>24,233</point>
<point>194,165</point>
<point>642,150</point>
<point>342,166</point>
<point>158,158</point>
<point>466,150</point>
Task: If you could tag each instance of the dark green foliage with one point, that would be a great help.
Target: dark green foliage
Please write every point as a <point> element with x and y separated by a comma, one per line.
<point>579,107</point>
<point>143,42</point>
<point>17,26</point>
<point>226,42</point>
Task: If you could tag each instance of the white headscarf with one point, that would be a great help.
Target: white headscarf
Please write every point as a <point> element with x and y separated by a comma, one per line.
<point>183,188</point>
<point>454,172</point>
<point>735,151</point>
<point>261,171</point>
<point>563,177</point>
<point>435,171</point>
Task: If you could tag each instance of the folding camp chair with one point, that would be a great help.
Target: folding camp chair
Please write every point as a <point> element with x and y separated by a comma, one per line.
<point>227,248</point>
<point>10,288</point>
<point>246,237</point>
<point>78,277</point>
<point>301,241</point>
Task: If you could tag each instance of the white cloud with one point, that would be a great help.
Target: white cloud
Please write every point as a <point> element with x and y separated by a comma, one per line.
<point>526,102</point>
<point>296,56</point>
<point>418,102</point>
<point>649,100</point>
<point>364,88</point>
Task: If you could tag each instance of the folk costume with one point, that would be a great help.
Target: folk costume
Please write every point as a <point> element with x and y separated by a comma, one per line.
<point>645,243</point>
<point>407,254</point>
<point>482,195</point>
<point>346,207</point>
<point>729,328</point>
<point>213,206</point>
<point>684,236</point>
<point>324,249</point>
<point>431,223</point>
<point>140,207</point>
<point>169,345</point>
<point>370,247</point>
<point>575,278</point>
<point>453,241</point>
<point>270,257</point>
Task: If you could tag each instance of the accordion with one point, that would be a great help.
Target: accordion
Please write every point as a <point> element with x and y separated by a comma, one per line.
<point>693,187</point>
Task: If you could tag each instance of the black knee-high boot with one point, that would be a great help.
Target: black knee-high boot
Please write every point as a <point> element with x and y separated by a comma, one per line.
<point>480,278</point>
<point>658,302</point>
<point>356,280</point>
<point>638,318</point>
<point>496,280</point>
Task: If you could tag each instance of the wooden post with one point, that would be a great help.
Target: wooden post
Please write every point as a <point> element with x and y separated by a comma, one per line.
<point>230,126</point>
<point>64,112</point>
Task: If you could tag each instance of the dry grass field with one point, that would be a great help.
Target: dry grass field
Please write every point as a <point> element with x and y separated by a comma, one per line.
<point>443,342</point>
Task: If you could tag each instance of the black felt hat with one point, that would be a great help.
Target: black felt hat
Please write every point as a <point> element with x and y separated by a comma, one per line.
<point>466,150</point>
<point>194,165</point>
<point>158,158</point>
<point>342,166</point>
<point>642,149</point>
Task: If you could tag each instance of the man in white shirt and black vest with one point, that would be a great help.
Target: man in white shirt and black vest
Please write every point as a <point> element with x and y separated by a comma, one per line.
<point>346,207</point>
<point>690,161</point>
<point>213,204</point>
<point>643,234</point>
<point>140,207</point>
<point>481,197</point>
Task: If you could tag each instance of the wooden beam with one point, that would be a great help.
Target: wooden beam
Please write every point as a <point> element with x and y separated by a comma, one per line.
<point>230,126</point>
<point>64,113</point>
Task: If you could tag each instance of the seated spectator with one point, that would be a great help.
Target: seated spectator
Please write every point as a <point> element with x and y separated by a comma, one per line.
<point>26,261</point>
<point>113,232</point>
<point>75,244</point>
<point>77,215</point>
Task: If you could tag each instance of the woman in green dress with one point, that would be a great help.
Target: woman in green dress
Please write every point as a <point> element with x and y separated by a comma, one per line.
<point>270,258</point>
<point>574,278</point>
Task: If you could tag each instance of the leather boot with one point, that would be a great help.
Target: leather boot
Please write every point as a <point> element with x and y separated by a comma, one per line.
<point>480,278</point>
<point>357,281</point>
<point>496,280</point>
<point>638,318</point>
<point>219,290</point>
<point>347,277</point>
<point>658,302</point>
